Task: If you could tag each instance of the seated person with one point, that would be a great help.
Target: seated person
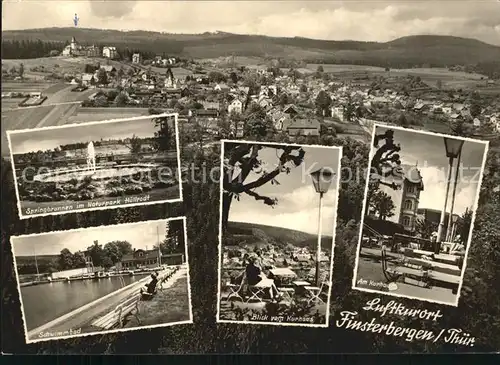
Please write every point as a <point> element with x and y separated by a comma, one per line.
<point>150,287</point>
<point>254,276</point>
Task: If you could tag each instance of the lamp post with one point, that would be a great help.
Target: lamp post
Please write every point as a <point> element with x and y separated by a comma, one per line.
<point>453,148</point>
<point>453,195</point>
<point>454,221</point>
<point>322,179</point>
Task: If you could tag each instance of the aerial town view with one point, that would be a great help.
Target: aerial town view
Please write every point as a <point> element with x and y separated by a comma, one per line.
<point>120,112</point>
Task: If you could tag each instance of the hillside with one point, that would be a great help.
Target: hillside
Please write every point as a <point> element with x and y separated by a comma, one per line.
<point>251,235</point>
<point>403,52</point>
<point>42,259</point>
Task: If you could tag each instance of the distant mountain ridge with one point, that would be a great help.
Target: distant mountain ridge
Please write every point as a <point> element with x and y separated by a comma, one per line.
<point>408,51</point>
<point>251,235</point>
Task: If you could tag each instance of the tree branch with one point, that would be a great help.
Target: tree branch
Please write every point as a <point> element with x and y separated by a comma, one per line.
<point>268,201</point>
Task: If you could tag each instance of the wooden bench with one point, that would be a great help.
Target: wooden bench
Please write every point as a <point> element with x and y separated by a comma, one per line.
<point>118,315</point>
<point>425,272</point>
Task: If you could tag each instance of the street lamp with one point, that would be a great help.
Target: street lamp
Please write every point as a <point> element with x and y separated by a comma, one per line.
<point>322,179</point>
<point>453,149</point>
<point>453,232</point>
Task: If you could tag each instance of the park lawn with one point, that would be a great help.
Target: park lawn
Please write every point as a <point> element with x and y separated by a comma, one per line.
<point>170,305</point>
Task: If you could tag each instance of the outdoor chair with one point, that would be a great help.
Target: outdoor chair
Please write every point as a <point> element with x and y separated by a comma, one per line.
<point>287,293</point>
<point>316,291</point>
<point>234,291</point>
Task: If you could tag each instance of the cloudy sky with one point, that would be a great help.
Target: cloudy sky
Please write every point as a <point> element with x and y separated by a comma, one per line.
<point>47,139</point>
<point>297,206</point>
<point>369,20</point>
<point>141,235</point>
<point>427,152</point>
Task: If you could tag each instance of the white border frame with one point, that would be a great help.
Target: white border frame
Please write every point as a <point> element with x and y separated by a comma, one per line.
<point>219,272</point>
<point>73,125</point>
<point>473,218</point>
<point>26,332</point>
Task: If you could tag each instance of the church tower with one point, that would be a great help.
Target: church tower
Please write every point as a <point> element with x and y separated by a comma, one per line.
<point>412,186</point>
<point>73,44</point>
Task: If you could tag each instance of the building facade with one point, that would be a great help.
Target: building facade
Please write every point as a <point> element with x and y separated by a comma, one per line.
<point>411,189</point>
<point>109,52</point>
<point>149,259</point>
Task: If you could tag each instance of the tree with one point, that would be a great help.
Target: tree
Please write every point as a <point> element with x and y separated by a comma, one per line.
<point>130,71</point>
<point>475,110</point>
<point>102,77</point>
<point>121,99</point>
<point>165,135</point>
<point>385,164</point>
<point>382,205</point>
<point>21,70</point>
<point>460,127</point>
<point>135,145</point>
<point>349,112</point>
<point>96,253</point>
<point>425,228</point>
<point>65,261</point>
<point>233,77</point>
<point>320,69</point>
<point>283,100</point>
<point>323,101</point>
<point>463,226</point>
<point>245,159</point>
<point>439,84</point>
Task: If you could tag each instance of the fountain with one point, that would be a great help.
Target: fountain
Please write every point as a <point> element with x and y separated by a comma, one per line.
<point>91,157</point>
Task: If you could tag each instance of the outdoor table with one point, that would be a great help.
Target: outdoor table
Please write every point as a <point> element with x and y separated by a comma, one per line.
<point>260,287</point>
<point>283,276</point>
<point>301,284</point>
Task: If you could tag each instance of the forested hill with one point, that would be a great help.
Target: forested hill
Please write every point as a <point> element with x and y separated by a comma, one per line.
<point>409,51</point>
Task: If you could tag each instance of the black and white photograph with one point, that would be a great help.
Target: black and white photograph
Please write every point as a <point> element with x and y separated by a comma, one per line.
<point>278,216</point>
<point>314,74</point>
<point>104,279</point>
<point>96,165</point>
<point>419,207</point>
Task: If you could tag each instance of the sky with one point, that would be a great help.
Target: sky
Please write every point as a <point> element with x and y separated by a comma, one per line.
<point>369,20</point>
<point>141,235</point>
<point>427,153</point>
<point>298,202</point>
<point>45,139</point>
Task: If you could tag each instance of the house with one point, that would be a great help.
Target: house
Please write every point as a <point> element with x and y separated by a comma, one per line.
<point>208,114</point>
<point>109,52</point>
<point>338,112</point>
<point>236,106</point>
<point>420,107</point>
<point>476,122</point>
<point>291,110</point>
<point>141,258</point>
<point>304,127</point>
<point>136,58</point>
<point>279,118</point>
<point>109,69</point>
<point>92,51</point>
<point>208,105</point>
<point>495,123</point>
<point>264,102</point>
<point>88,80</point>
<point>221,87</point>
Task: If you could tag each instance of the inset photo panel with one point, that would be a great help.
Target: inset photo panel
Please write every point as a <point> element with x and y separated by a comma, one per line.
<point>419,209</point>
<point>96,165</point>
<point>277,228</point>
<point>104,279</point>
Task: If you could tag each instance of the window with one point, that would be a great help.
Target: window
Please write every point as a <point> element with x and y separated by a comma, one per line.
<point>411,189</point>
<point>406,221</point>
<point>408,205</point>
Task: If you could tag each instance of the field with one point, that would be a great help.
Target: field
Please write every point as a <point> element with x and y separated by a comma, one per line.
<point>83,115</point>
<point>59,65</point>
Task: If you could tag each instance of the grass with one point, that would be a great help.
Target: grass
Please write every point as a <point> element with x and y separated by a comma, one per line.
<point>168,306</point>
<point>102,114</point>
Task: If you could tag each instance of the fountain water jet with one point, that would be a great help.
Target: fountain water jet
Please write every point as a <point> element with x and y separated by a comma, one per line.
<point>91,157</point>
